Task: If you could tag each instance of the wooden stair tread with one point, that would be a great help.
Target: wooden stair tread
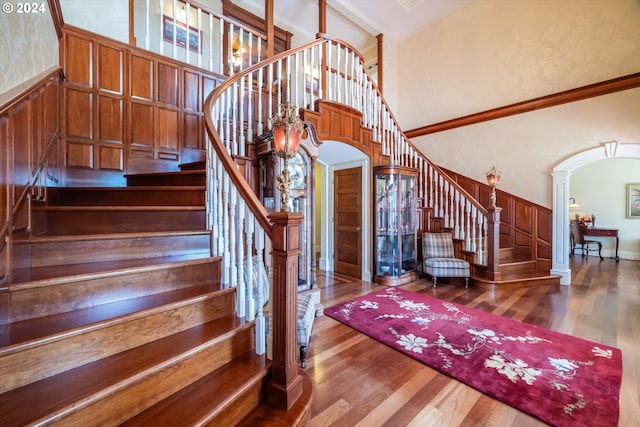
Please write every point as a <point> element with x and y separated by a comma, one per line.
<point>106,236</point>
<point>136,188</point>
<point>201,401</point>
<point>62,272</point>
<point>17,335</point>
<point>113,208</point>
<point>169,173</point>
<point>83,385</point>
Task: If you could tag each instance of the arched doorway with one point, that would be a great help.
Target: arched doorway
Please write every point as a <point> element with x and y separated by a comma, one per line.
<point>334,156</point>
<point>561,178</point>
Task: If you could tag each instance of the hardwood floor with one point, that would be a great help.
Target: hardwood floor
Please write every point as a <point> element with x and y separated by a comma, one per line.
<point>360,382</point>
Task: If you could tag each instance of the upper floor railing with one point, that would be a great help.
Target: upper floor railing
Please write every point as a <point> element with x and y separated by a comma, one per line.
<point>195,34</point>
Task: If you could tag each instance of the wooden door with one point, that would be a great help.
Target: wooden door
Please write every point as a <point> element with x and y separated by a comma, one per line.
<point>347,217</point>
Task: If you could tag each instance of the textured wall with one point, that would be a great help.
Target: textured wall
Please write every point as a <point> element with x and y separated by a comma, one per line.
<point>109,18</point>
<point>492,53</point>
<point>28,46</point>
<point>606,199</point>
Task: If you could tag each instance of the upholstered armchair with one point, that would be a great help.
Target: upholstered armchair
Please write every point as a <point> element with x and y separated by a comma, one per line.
<point>438,258</point>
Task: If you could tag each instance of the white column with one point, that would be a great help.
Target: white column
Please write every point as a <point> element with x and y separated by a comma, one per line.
<point>560,228</point>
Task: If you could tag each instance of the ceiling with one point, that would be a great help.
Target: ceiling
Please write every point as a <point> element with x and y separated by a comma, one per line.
<point>357,22</point>
<point>397,19</point>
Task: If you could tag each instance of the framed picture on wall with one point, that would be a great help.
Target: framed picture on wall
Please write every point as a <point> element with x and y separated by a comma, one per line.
<point>633,200</point>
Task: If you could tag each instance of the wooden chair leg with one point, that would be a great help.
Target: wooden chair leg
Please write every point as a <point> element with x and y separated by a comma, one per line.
<point>466,283</point>
<point>434,281</point>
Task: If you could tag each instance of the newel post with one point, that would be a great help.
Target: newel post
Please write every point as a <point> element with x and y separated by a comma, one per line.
<point>285,385</point>
<point>493,243</point>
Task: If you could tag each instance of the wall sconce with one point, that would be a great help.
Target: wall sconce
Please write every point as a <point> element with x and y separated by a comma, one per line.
<point>573,204</point>
<point>287,128</point>
<point>181,16</point>
<point>236,56</point>
<point>493,179</point>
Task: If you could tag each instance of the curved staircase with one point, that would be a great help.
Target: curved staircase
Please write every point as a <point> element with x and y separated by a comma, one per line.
<point>117,315</point>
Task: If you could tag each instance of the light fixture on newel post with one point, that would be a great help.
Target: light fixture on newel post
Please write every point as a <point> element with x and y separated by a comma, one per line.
<point>493,179</point>
<point>287,129</point>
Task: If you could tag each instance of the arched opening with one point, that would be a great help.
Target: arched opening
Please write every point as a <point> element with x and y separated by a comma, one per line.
<point>334,156</point>
<point>561,193</point>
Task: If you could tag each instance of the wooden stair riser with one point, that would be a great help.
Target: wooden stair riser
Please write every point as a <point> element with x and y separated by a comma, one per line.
<point>112,220</point>
<point>115,403</point>
<point>49,297</point>
<point>202,404</point>
<point>49,252</point>
<point>31,362</point>
<point>185,178</point>
<point>131,196</point>
<point>518,267</point>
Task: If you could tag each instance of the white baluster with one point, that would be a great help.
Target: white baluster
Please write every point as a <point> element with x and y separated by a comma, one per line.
<point>200,41</point>
<point>231,214</point>
<point>241,294</point>
<point>261,329</point>
<point>251,295</point>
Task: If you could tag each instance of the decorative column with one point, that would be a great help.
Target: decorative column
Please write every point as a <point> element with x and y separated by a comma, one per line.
<point>493,243</point>
<point>285,385</point>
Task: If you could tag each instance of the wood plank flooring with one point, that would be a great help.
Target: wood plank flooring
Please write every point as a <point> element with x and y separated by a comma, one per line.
<point>360,382</point>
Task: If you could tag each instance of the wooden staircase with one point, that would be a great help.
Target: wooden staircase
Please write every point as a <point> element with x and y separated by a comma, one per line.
<point>118,316</point>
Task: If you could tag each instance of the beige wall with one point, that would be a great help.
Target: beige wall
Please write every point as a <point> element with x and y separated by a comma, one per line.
<point>28,47</point>
<point>109,18</point>
<point>492,53</point>
<point>600,189</point>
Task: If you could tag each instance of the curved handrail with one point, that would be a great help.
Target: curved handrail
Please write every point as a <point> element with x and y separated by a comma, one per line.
<point>355,86</point>
<point>481,208</point>
<point>247,193</point>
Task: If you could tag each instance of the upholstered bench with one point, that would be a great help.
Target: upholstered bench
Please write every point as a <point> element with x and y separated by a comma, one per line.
<point>306,315</point>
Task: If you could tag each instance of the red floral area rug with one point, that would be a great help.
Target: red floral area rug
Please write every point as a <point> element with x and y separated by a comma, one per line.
<point>560,379</point>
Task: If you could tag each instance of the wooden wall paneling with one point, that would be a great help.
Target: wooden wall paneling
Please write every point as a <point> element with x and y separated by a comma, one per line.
<point>141,80</point>
<point>192,102</point>
<point>167,118</point>
<point>78,60</point>
<point>4,213</point>
<point>141,109</point>
<point>20,144</point>
<point>79,102</point>
<point>110,109</point>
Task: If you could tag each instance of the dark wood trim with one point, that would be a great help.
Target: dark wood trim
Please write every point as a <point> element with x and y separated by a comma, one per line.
<point>380,56</point>
<point>132,36</point>
<point>631,81</point>
<point>56,15</point>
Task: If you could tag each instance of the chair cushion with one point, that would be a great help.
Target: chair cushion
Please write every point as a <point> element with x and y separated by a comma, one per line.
<point>437,245</point>
<point>447,267</point>
<point>306,315</point>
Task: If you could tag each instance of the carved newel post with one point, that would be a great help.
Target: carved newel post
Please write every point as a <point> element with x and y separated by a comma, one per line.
<point>285,386</point>
<point>493,222</point>
<point>493,242</point>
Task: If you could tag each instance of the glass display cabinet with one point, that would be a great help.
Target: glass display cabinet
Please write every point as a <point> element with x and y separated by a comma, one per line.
<point>395,225</point>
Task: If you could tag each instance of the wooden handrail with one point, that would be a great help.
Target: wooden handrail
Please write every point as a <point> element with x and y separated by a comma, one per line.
<point>245,190</point>
<point>56,15</point>
<point>631,81</point>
